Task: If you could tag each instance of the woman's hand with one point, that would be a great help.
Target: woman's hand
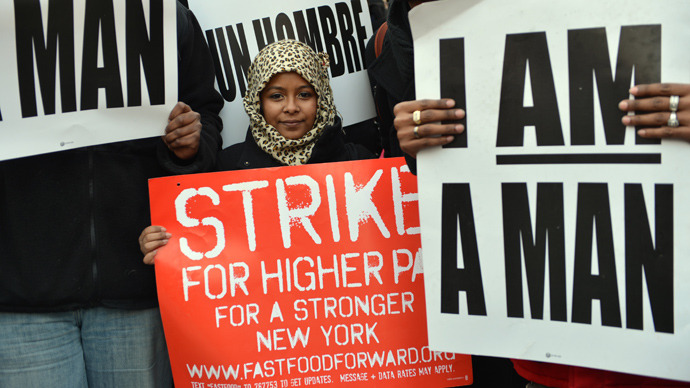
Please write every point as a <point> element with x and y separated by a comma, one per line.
<point>413,123</point>
<point>152,238</point>
<point>183,132</point>
<point>654,107</point>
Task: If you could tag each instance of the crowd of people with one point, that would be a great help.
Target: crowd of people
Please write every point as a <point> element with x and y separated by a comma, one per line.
<point>78,304</point>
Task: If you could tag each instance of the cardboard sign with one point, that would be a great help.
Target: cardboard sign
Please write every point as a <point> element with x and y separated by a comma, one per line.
<point>560,236</point>
<point>78,73</point>
<point>236,34</point>
<point>293,276</point>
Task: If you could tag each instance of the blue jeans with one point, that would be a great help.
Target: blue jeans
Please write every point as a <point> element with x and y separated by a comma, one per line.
<point>96,347</point>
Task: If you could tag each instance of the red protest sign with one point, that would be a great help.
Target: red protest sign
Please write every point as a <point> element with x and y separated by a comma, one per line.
<point>296,276</point>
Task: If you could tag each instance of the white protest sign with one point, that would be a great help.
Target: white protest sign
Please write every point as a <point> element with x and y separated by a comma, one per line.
<point>80,73</point>
<point>236,34</point>
<point>557,235</point>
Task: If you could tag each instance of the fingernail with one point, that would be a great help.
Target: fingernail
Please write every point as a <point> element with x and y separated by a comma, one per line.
<point>623,105</point>
<point>459,128</point>
<point>642,132</point>
<point>633,90</point>
<point>450,103</point>
<point>626,120</point>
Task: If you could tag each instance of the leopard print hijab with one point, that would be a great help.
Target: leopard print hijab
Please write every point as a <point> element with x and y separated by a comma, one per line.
<point>282,57</point>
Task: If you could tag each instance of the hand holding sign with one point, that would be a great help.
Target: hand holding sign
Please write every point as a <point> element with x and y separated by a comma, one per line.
<point>547,96</point>
<point>655,105</point>
<point>183,131</point>
<point>152,238</point>
<point>335,297</point>
<point>416,134</point>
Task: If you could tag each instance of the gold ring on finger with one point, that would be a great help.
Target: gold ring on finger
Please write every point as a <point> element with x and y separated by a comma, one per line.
<point>673,102</point>
<point>417,117</point>
<point>416,132</point>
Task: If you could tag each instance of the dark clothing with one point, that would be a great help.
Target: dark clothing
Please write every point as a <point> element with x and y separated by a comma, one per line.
<point>330,147</point>
<point>491,372</point>
<point>565,376</point>
<point>391,76</point>
<point>69,221</point>
<point>377,12</point>
<point>365,133</point>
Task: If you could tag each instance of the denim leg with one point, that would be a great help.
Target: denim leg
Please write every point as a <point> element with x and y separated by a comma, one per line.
<point>125,348</point>
<point>41,350</point>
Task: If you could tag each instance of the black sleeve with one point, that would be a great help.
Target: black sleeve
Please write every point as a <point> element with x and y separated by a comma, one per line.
<point>358,152</point>
<point>196,78</point>
<point>411,163</point>
<point>229,158</point>
<point>384,128</point>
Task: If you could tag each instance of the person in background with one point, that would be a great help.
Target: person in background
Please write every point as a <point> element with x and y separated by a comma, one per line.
<point>378,13</point>
<point>78,308</point>
<point>659,110</point>
<point>390,66</point>
<point>292,121</point>
<point>391,76</point>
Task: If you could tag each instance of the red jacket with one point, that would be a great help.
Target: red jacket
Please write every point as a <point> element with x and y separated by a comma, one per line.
<point>565,376</point>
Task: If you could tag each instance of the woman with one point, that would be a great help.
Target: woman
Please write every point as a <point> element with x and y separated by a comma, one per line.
<point>292,116</point>
<point>292,121</point>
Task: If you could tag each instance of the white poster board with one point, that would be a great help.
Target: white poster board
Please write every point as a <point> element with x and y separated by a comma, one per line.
<point>236,34</point>
<point>65,81</point>
<point>555,236</point>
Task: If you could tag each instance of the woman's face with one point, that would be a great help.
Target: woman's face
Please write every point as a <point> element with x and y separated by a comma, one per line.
<point>289,104</point>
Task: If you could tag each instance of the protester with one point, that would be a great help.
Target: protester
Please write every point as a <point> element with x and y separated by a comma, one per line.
<point>378,13</point>
<point>367,132</point>
<point>292,120</point>
<point>391,70</point>
<point>77,306</point>
<point>660,110</point>
<point>391,75</point>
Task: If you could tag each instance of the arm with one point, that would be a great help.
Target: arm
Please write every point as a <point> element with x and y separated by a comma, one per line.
<point>180,153</point>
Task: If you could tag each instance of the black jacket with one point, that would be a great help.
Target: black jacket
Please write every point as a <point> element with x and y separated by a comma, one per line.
<point>330,147</point>
<point>391,76</point>
<point>69,221</point>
